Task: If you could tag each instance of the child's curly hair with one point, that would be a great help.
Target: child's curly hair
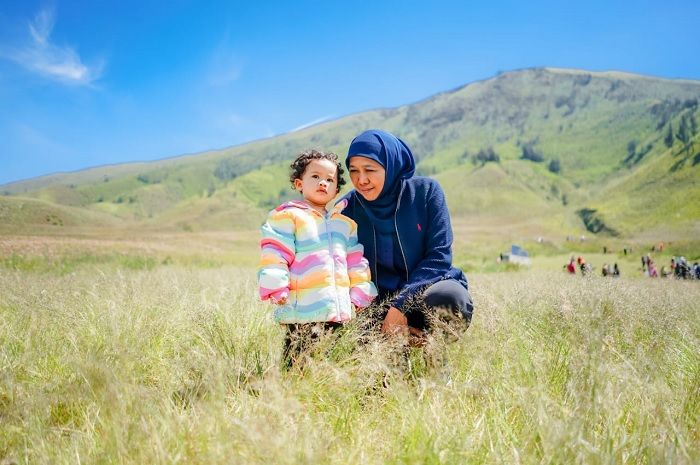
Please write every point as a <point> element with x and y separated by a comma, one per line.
<point>299,165</point>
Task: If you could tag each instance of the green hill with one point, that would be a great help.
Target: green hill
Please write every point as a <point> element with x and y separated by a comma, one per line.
<point>532,152</point>
<point>29,215</point>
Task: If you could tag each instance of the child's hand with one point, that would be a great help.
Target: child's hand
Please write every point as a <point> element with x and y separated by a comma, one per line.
<point>280,301</point>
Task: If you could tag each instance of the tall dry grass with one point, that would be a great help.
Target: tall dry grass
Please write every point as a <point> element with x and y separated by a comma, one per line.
<point>178,365</point>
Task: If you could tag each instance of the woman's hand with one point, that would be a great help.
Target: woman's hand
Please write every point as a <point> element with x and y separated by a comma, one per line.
<point>395,322</point>
<point>417,337</point>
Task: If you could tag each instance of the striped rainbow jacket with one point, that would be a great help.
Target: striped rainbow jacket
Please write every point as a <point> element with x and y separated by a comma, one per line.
<point>315,263</point>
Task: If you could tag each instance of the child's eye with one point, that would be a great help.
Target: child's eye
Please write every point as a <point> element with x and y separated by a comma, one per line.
<point>330,180</point>
<point>314,176</point>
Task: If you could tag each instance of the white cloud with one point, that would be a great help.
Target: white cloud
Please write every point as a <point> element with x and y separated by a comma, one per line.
<point>312,123</point>
<point>40,55</point>
<point>223,76</point>
<point>41,27</point>
<point>224,66</point>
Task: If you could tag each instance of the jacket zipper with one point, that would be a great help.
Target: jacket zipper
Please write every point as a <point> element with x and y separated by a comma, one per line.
<point>376,265</point>
<point>396,227</point>
<point>375,272</point>
<point>398,238</point>
<point>330,251</point>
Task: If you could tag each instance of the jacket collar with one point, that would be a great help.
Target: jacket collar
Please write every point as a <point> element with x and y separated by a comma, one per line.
<point>336,209</point>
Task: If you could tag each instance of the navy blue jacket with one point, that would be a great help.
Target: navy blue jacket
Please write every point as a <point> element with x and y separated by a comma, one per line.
<point>424,232</point>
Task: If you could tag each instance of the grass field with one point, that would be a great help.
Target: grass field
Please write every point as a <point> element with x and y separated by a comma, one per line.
<point>130,330</point>
<point>111,361</point>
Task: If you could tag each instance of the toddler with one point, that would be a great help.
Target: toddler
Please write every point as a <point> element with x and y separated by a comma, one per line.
<point>312,266</point>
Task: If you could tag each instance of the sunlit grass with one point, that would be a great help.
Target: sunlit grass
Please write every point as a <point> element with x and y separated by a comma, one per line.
<point>181,365</point>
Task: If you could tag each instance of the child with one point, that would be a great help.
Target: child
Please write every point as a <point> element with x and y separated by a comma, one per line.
<point>312,267</point>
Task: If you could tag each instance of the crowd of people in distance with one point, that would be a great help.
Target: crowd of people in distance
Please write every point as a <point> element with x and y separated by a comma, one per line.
<point>679,268</point>
<point>611,270</point>
<point>584,267</point>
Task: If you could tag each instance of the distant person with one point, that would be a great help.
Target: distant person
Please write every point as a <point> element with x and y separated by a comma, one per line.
<point>616,271</point>
<point>645,262</point>
<point>651,269</point>
<point>404,225</point>
<point>682,268</point>
<point>605,271</point>
<point>571,266</point>
<point>312,266</point>
<point>583,266</point>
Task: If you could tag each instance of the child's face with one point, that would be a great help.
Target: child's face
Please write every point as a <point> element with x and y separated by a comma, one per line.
<point>319,183</point>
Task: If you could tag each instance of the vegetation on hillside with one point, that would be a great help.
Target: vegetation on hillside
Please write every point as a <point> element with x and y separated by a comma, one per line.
<point>563,141</point>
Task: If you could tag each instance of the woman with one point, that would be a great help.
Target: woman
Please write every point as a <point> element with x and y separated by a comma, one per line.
<point>404,226</point>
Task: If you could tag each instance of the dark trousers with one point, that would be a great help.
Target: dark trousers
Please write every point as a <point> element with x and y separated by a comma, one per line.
<point>299,338</point>
<point>447,295</point>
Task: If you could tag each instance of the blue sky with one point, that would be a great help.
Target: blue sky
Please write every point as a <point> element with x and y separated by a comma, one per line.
<point>85,83</point>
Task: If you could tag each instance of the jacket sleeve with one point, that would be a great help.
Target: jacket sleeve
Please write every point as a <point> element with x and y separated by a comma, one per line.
<point>437,260</point>
<point>362,289</point>
<point>277,248</point>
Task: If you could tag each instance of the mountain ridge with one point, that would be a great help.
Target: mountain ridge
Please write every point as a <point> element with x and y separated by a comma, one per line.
<point>558,137</point>
<point>556,70</point>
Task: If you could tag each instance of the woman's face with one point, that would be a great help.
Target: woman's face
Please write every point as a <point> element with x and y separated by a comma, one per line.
<point>367,176</point>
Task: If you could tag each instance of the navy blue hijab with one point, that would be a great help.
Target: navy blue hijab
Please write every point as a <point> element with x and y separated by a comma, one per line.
<point>398,162</point>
